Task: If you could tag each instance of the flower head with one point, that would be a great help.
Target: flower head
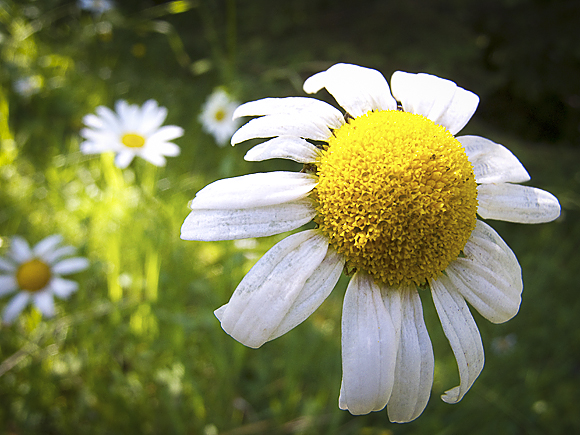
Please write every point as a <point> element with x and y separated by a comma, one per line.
<point>131,131</point>
<point>96,6</point>
<point>216,116</point>
<point>36,275</point>
<point>395,196</point>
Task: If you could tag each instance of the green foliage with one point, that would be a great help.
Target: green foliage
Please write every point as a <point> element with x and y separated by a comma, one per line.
<point>137,349</point>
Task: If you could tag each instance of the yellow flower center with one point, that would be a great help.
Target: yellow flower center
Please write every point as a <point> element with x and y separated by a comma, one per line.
<point>33,275</point>
<point>220,115</point>
<point>396,196</point>
<point>133,140</point>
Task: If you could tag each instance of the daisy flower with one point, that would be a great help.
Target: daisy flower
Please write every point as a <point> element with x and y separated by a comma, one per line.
<point>131,131</point>
<point>96,6</point>
<point>395,198</point>
<point>216,116</point>
<point>36,275</point>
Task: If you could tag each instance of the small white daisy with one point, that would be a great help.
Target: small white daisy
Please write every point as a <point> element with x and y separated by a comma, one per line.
<point>395,198</point>
<point>132,131</point>
<point>96,6</point>
<point>36,275</point>
<point>217,116</point>
<point>28,86</point>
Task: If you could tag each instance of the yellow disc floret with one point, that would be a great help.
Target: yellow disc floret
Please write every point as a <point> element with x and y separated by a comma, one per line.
<point>396,196</point>
<point>133,140</point>
<point>33,275</point>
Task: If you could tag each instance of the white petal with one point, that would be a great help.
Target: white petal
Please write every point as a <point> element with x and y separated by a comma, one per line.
<point>63,288</point>
<point>19,250</point>
<point>110,119</point>
<point>462,333</point>
<point>93,121</point>
<point>7,284</point>
<point>355,88</point>
<point>47,245</point>
<point>492,162</point>
<point>232,224</point>
<point>489,277</point>
<point>282,125</point>
<point>284,147</point>
<point>272,288</point>
<point>316,289</point>
<point>153,157</point>
<point>415,361</point>
<point>440,100</point>
<point>15,307</point>
<point>124,158</point>
<point>369,348</point>
<point>166,133</point>
<point>254,190</point>
<point>57,254</point>
<point>290,106</point>
<point>70,265</point>
<point>515,203</point>
<point>6,265</point>
<point>44,302</point>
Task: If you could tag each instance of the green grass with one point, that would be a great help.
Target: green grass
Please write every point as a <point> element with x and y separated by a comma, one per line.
<point>137,349</point>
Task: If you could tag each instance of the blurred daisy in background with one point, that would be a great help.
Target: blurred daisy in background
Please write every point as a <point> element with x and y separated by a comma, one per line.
<point>96,6</point>
<point>217,116</point>
<point>131,131</point>
<point>35,274</point>
<point>395,198</point>
<point>28,86</point>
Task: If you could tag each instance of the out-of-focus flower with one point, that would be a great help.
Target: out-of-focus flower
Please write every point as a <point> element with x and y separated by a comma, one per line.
<point>395,196</point>
<point>131,131</point>
<point>216,116</point>
<point>28,86</point>
<point>36,275</point>
<point>96,6</point>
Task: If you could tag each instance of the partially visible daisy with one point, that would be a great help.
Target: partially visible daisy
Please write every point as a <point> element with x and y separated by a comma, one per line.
<point>395,198</point>
<point>36,275</point>
<point>217,116</point>
<point>131,131</point>
<point>28,86</point>
<point>96,6</point>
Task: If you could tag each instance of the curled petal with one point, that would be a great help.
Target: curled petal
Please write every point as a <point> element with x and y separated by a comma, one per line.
<point>20,250</point>
<point>415,362</point>
<point>292,106</point>
<point>462,333</point>
<point>355,88</point>
<point>124,158</point>
<point>369,348</point>
<point>440,100</point>
<point>276,289</point>
<point>515,203</point>
<point>232,224</point>
<point>284,147</point>
<point>254,190</point>
<point>489,277</point>
<point>283,125</point>
<point>492,162</point>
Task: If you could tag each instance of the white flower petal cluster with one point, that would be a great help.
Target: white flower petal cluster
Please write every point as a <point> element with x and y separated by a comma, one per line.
<point>387,357</point>
<point>216,116</point>
<point>59,262</point>
<point>96,6</point>
<point>105,132</point>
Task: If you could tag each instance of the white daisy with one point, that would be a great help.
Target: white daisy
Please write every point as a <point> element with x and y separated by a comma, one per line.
<point>36,275</point>
<point>395,196</point>
<point>216,116</point>
<point>132,131</point>
<point>96,6</point>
